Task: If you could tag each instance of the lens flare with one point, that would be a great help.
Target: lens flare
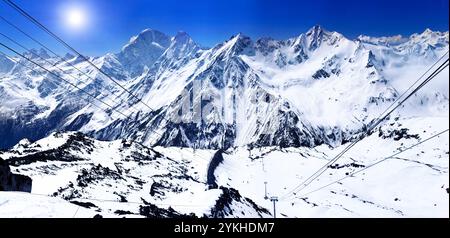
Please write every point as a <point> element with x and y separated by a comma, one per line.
<point>76,18</point>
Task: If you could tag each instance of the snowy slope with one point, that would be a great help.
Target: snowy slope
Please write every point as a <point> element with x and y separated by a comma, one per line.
<point>125,178</point>
<point>120,178</point>
<point>412,184</point>
<point>24,205</point>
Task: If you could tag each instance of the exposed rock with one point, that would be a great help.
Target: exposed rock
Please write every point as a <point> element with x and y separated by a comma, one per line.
<point>223,207</point>
<point>13,182</point>
<point>152,211</point>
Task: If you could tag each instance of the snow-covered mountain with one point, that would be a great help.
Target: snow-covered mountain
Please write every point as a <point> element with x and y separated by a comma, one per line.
<point>317,88</point>
<point>277,109</point>
<point>143,51</point>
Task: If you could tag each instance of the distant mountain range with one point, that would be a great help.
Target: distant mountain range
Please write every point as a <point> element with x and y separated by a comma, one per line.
<point>317,88</point>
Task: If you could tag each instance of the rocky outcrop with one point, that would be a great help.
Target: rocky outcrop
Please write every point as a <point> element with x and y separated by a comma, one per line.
<point>13,182</point>
<point>224,206</point>
<point>215,161</point>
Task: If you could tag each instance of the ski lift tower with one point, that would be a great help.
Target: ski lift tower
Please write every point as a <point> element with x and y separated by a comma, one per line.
<point>274,200</point>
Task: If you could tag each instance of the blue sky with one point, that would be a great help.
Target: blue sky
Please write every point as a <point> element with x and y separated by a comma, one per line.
<point>113,22</point>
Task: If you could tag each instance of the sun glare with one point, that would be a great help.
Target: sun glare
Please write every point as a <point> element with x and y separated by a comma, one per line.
<point>76,18</point>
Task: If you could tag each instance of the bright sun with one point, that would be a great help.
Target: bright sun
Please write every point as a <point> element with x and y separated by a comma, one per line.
<point>76,18</point>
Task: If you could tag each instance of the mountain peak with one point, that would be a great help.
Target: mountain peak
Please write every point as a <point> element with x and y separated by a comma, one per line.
<point>40,53</point>
<point>182,38</point>
<point>317,34</point>
<point>149,37</point>
<point>241,44</point>
<point>68,56</point>
<point>182,48</point>
<point>181,34</point>
<point>427,31</point>
<point>147,30</point>
<point>316,30</point>
<point>240,37</point>
<point>316,27</point>
<point>143,50</point>
<point>429,37</point>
